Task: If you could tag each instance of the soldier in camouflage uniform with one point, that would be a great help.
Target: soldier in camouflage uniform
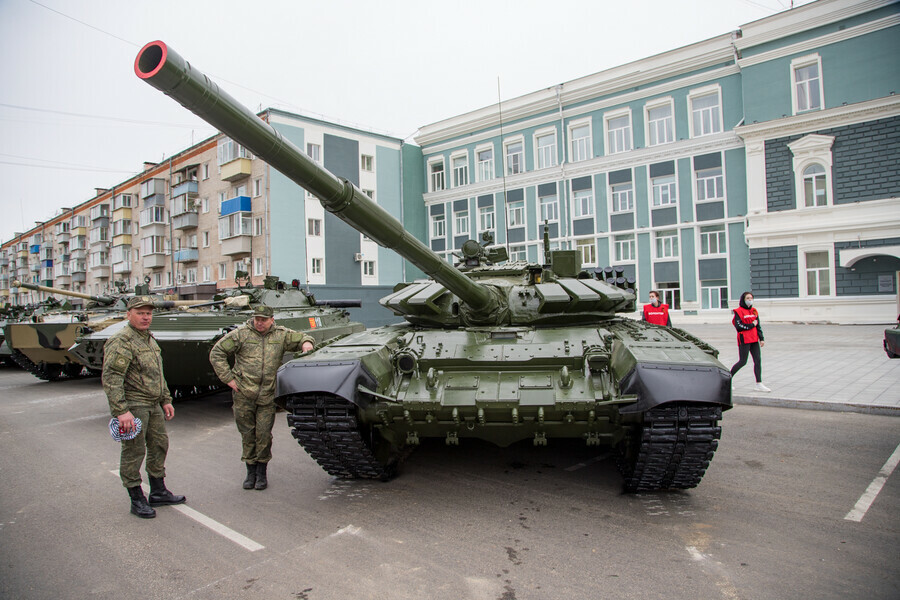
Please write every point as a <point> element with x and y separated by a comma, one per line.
<point>258,348</point>
<point>135,387</point>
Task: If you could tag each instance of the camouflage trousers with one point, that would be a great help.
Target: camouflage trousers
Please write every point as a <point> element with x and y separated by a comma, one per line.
<point>254,419</point>
<point>152,441</point>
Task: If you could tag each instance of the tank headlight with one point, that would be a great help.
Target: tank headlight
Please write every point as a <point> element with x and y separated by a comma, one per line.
<point>407,362</point>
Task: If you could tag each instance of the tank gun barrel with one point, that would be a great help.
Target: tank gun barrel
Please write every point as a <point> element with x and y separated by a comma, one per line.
<point>52,290</point>
<point>340,303</point>
<point>167,71</point>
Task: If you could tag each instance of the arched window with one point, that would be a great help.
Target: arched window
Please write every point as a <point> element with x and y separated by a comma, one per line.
<point>814,186</point>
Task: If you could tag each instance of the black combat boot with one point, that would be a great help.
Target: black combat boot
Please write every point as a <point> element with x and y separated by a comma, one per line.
<point>160,496</point>
<point>261,481</point>
<point>251,477</point>
<point>139,504</point>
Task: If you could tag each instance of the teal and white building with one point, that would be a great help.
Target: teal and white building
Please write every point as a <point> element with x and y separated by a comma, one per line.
<point>690,168</point>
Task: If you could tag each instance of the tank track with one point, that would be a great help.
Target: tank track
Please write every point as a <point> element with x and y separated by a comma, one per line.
<point>676,444</point>
<point>47,372</point>
<point>327,428</point>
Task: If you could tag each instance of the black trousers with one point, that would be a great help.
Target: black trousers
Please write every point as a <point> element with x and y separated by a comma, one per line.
<point>753,350</point>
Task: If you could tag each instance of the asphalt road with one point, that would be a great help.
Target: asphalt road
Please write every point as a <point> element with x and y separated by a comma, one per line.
<point>768,520</point>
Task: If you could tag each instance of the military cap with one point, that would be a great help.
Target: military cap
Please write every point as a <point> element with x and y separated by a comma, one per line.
<point>263,311</point>
<point>139,301</point>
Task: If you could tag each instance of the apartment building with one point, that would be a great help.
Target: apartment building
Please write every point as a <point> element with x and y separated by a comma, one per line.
<point>685,168</point>
<point>190,225</point>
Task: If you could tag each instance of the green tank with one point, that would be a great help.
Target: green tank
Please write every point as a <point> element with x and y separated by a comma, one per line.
<point>491,349</point>
<point>186,336</point>
<point>41,343</point>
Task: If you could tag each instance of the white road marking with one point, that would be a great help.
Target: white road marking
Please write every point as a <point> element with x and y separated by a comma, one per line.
<point>590,461</point>
<point>212,524</point>
<point>868,497</point>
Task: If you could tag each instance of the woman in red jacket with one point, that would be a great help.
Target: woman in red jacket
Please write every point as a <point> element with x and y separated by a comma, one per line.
<point>750,338</point>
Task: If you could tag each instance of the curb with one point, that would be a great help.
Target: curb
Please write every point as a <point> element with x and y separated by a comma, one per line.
<point>869,409</point>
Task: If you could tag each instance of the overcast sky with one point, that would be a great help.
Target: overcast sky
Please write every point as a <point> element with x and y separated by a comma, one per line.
<point>74,117</point>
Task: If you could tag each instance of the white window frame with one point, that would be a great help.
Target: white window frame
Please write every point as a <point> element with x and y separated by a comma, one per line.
<point>582,203</point>
<point>545,156</point>
<point>706,293</point>
<point>316,266</point>
<point>627,138</point>
<point>484,169</point>
<point>223,271</point>
<point>666,246</point>
<point>799,63</point>
<point>314,227</point>
<point>588,250</point>
<point>257,187</point>
<point>438,226</point>
<point>580,148</point>
<point>519,252</point>
<point>367,163</point>
<point>625,246</point>
<point>702,185</point>
<point>314,151</point>
<point>258,266</point>
<point>461,172</point>
<point>802,254</point>
<point>487,213</point>
<point>663,191</point>
<point>717,113</point>
<point>721,237</point>
<point>617,196</point>
<point>520,163</point>
<point>515,216</point>
<point>548,208</point>
<point>207,274</point>
<point>437,180</point>
<point>651,127</point>
<point>809,150</point>
<point>461,222</point>
<point>819,181</point>
<point>368,268</point>
<point>258,226</point>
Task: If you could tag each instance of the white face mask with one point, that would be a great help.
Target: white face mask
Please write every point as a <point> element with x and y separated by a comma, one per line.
<point>748,302</point>
<point>654,301</point>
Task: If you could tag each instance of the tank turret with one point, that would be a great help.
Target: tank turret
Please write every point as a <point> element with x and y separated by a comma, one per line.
<point>495,350</point>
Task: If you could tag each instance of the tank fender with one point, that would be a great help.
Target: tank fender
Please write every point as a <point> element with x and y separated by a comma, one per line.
<point>656,384</point>
<point>340,378</point>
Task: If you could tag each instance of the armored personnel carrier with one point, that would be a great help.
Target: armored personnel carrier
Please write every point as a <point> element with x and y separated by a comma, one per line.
<point>41,343</point>
<point>186,336</point>
<point>491,349</point>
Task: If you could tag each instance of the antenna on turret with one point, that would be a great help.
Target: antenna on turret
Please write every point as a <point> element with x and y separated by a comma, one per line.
<point>503,168</point>
<point>546,242</point>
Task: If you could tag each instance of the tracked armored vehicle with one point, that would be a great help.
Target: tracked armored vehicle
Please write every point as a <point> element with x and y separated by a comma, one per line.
<point>41,344</point>
<point>186,336</point>
<point>501,351</point>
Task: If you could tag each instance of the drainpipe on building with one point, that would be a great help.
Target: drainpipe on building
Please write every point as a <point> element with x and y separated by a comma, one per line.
<point>402,220</point>
<point>267,234</point>
<point>171,230</point>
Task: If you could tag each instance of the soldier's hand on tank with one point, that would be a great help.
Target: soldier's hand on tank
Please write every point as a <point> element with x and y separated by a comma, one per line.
<point>126,422</point>
<point>307,346</point>
<point>169,411</point>
<point>233,385</point>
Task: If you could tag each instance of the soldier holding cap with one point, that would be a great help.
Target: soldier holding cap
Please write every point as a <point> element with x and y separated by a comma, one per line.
<point>136,387</point>
<point>258,348</point>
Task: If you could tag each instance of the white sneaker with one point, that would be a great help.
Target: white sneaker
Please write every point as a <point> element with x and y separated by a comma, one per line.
<point>761,388</point>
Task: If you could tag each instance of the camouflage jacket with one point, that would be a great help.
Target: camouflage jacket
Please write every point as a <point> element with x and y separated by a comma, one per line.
<point>133,371</point>
<point>257,357</point>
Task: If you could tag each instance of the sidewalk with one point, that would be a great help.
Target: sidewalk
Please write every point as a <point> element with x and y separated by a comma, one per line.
<point>826,367</point>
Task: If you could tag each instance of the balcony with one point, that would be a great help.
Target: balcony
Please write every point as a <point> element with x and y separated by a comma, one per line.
<point>101,211</point>
<point>236,204</point>
<point>78,253</point>
<point>153,261</point>
<point>153,186</point>
<point>4,261</point>
<point>185,187</point>
<point>78,231</point>
<point>23,253</point>
<point>62,238</point>
<point>121,240</point>
<point>100,270</point>
<point>62,280</point>
<point>79,277</point>
<point>121,214</point>
<point>239,244</point>
<point>186,255</point>
<point>186,220</point>
<point>236,169</point>
<point>34,249</point>
<point>122,267</point>
<point>35,267</point>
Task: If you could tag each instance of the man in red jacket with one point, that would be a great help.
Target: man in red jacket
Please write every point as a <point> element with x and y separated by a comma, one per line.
<point>657,313</point>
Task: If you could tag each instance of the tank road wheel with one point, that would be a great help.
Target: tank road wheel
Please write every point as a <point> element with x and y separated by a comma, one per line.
<point>50,372</point>
<point>73,369</point>
<point>671,449</point>
<point>327,428</point>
